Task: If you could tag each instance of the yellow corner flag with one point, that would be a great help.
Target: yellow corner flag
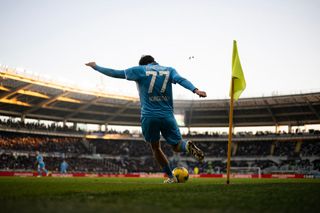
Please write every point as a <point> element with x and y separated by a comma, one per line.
<point>238,84</point>
<point>237,74</point>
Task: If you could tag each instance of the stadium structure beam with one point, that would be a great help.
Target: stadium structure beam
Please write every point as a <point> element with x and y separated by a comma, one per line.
<point>88,112</point>
<point>59,118</point>
<point>67,99</point>
<point>4,112</point>
<point>45,117</point>
<point>15,102</point>
<point>270,112</point>
<point>117,113</point>
<point>312,108</point>
<point>4,88</point>
<point>14,91</point>
<point>54,118</point>
<point>294,113</point>
<point>226,116</point>
<point>92,121</point>
<point>190,115</point>
<point>242,124</point>
<point>33,93</point>
<point>45,102</point>
<point>81,108</point>
<point>218,108</point>
<point>54,98</point>
<point>107,104</point>
<point>72,110</point>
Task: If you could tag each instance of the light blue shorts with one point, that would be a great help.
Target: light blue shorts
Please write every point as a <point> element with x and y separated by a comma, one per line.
<point>41,165</point>
<point>151,128</point>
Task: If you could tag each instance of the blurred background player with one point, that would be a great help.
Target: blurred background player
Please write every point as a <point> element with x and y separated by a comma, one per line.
<point>41,165</point>
<point>63,167</point>
<point>154,84</point>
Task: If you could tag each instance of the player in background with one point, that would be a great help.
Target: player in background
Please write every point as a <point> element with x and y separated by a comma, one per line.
<point>63,167</point>
<point>41,165</point>
<point>154,84</point>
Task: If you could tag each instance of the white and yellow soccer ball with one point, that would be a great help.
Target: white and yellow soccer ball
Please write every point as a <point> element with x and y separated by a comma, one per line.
<point>181,174</point>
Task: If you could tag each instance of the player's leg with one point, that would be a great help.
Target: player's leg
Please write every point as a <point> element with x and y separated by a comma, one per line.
<point>151,132</point>
<point>46,171</point>
<point>43,169</point>
<point>181,146</point>
<point>171,133</point>
<point>39,170</point>
<point>161,158</point>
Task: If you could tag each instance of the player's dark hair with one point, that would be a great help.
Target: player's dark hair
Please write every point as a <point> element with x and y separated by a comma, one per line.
<point>146,59</point>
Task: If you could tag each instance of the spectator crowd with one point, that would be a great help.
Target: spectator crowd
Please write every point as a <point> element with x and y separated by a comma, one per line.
<point>17,152</point>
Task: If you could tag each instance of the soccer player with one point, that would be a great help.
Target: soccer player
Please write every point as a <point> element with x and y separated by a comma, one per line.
<point>63,167</point>
<point>41,165</point>
<point>154,84</point>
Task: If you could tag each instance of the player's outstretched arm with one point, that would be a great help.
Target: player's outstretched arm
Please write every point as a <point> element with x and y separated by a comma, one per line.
<point>202,94</point>
<point>107,71</point>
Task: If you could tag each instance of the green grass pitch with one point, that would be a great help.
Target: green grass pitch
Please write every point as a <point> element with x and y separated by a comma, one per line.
<point>18,194</point>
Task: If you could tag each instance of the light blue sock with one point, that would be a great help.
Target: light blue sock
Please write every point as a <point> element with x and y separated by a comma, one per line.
<point>183,146</point>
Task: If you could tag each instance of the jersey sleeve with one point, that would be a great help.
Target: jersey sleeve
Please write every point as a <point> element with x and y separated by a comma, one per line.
<point>110,72</point>
<point>176,78</point>
<point>134,73</point>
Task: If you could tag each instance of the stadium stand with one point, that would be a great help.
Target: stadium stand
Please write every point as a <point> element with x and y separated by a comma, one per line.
<point>9,141</point>
<point>18,152</point>
<point>110,151</point>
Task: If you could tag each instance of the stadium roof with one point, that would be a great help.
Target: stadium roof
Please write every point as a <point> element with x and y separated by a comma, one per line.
<point>30,97</point>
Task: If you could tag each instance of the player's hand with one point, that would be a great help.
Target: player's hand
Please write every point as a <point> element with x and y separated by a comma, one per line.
<point>91,64</point>
<point>202,94</point>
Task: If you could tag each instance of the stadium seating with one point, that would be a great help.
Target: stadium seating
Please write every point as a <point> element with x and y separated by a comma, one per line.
<point>22,142</point>
<point>40,115</point>
<point>17,152</point>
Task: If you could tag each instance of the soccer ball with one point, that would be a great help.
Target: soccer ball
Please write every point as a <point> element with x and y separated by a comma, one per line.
<point>181,174</point>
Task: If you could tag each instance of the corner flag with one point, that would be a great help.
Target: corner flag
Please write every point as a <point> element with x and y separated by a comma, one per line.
<point>238,84</point>
<point>237,74</point>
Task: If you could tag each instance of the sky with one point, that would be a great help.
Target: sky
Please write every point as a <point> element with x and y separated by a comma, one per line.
<point>278,42</point>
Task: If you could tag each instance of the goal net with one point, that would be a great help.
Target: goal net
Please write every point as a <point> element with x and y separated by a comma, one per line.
<point>243,171</point>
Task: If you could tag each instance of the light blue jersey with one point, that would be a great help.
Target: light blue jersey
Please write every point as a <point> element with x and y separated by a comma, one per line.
<point>154,83</point>
<point>40,159</point>
<point>41,165</point>
<point>63,167</point>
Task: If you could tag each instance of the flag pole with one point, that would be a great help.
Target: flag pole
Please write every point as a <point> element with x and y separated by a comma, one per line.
<point>230,131</point>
